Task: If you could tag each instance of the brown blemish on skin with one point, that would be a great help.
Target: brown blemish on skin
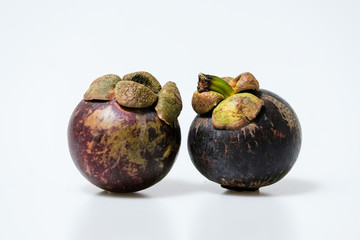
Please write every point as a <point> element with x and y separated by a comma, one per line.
<point>286,114</point>
<point>277,133</point>
<point>225,182</point>
<point>199,122</point>
<point>131,170</point>
<point>250,130</point>
<point>238,185</point>
<point>111,146</point>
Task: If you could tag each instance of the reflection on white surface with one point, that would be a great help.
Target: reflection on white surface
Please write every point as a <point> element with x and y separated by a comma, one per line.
<point>121,217</point>
<point>177,209</point>
<point>291,187</point>
<point>250,218</point>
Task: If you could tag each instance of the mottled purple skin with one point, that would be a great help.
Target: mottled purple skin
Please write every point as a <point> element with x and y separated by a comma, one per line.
<point>120,149</point>
<point>254,156</point>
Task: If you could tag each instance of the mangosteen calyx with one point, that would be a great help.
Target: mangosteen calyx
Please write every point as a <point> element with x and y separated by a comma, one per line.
<point>102,88</point>
<point>138,90</point>
<point>233,107</point>
<point>169,104</point>
<point>134,95</point>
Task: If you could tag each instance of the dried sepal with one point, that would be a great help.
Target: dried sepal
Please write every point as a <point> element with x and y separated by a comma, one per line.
<point>134,95</point>
<point>230,80</point>
<point>205,101</point>
<point>169,103</point>
<point>102,88</point>
<point>144,78</point>
<point>236,111</point>
<point>245,81</point>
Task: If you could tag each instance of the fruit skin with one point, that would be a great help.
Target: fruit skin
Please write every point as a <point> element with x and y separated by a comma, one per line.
<point>121,149</point>
<point>254,156</point>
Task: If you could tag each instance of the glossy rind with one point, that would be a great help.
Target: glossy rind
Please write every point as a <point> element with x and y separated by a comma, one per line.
<point>121,149</point>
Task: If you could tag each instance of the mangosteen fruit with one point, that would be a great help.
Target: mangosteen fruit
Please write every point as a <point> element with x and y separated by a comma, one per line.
<point>124,134</point>
<point>243,137</point>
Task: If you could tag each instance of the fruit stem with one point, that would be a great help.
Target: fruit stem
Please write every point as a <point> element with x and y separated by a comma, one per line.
<point>213,83</point>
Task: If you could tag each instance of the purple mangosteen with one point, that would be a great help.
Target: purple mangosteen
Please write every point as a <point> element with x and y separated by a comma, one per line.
<point>243,137</point>
<point>124,135</point>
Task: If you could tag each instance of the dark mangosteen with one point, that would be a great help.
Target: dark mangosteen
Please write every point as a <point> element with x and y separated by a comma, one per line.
<point>243,137</point>
<point>124,135</point>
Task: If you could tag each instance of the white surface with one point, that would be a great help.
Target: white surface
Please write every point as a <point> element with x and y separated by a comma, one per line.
<point>305,51</point>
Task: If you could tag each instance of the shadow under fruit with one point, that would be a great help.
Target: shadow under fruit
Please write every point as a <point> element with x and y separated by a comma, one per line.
<point>257,153</point>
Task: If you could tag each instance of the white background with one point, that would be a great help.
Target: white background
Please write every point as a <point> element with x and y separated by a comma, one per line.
<point>305,51</point>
